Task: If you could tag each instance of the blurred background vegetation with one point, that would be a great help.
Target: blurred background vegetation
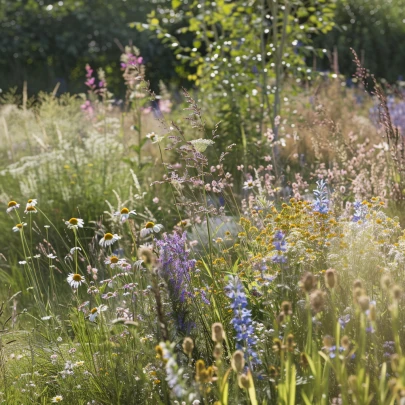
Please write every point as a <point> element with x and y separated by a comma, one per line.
<point>47,42</point>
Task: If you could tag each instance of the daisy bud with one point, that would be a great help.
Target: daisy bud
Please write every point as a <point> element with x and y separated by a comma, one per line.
<point>243,381</point>
<point>218,333</point>
<point>330,278</point>
<point>188,346</point>
<point>238,361</point>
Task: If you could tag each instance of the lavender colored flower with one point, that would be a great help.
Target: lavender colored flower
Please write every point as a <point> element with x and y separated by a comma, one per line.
<point>175,268</point>
<point>280,246</point>
<point>242,320</point>
<point>321,203</point>
<point>360,211</point>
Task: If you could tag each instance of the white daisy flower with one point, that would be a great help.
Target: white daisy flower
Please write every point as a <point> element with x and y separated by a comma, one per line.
<point>51,256</point>
<point>72,251</point>
<point>96,311</point>
<point>57,399</point>
<point>19,227</point>
<point>150,227</point>
<point>22,262</point>
<point>36,256</point>
<point>112,261</point>
<point>201,144</point>
<point>154,138</point>
<point>74,223</point>
<point>30,209</point>
<point>12,205</point>
<point>108,239</point>
<point>75,280</point>
<point>249,184</point>
<point>31,203</point>
<point>125,213</point>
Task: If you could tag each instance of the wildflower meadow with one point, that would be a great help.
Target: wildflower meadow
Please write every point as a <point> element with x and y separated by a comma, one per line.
<point>234,236</point>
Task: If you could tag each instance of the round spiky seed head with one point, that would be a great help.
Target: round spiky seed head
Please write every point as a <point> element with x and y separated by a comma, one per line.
<point>286,308</point>
<point>386,281</point>
<point>345,342</point>
<point>238,361</point>
<point>357,284</point>
<point>308,282</point>
<point>330,278</point>
<point>396,292</point>
<point>352,383</point>
<point>146,254</point>
<point>395,360</point>
<point>218,333</point>
<point>364,302</point>
<point>243,381</point>
<point>372,313</point>
<point>188,346</point>
<point>327,341</point>
<point>218,351</point>
<point>317,300</point>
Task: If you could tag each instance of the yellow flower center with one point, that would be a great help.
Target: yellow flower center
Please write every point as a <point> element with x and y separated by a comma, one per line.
<point>94,310</point>
<point>77,277</point>
<point>73,221</point>
<point>125,211</point>
<point>30,201</point>
<point>30,208</point>
<point>114,259</point>
<point>19,226</point>
<point>12,204</point>
<point>108,236</point>
<point>149,225</point>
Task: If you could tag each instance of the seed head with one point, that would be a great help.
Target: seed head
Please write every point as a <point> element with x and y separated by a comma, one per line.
<point>238,361</point>
<point>330,278</point>
<point>243,381</point>
<point>345,342</point>
<point>317,300</point>
<point>308,282</point>
<point>286,308</point>
<point>188,346</point>
<point>218,333</point>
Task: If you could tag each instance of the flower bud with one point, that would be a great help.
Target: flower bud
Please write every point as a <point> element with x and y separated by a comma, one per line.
<point>317,299</point>
<point>364,302</point>
<point>243,381</point>
<point>238,361</point>
<point>217,351</point>
<point>286,308</point>
<point>307,282</point>
<point>345,342</point>
<point>218,333</point>
<point>357,284</point>
<point>330,278</point>
<point>188,346</point>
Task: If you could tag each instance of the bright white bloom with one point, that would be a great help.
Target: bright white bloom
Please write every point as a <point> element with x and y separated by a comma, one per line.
<point>57,399</point>
<point>51,256</point>
<point>150,227</point>
<point>75,280</point>
<point>125,213</point>
<point>201,144</point>
<point>72,251</point>
<point>31,203</point>
<point>74,223</point>
<point>46,318</point>
<point>112,261</point>
<point>96,311</point>
<point>19,227</point>
<point>154,138</point>
<point>12,205</point>
<point>249,184</point>
<point>30,209</point>
<point>108,239</point>
<point>22,262</point>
